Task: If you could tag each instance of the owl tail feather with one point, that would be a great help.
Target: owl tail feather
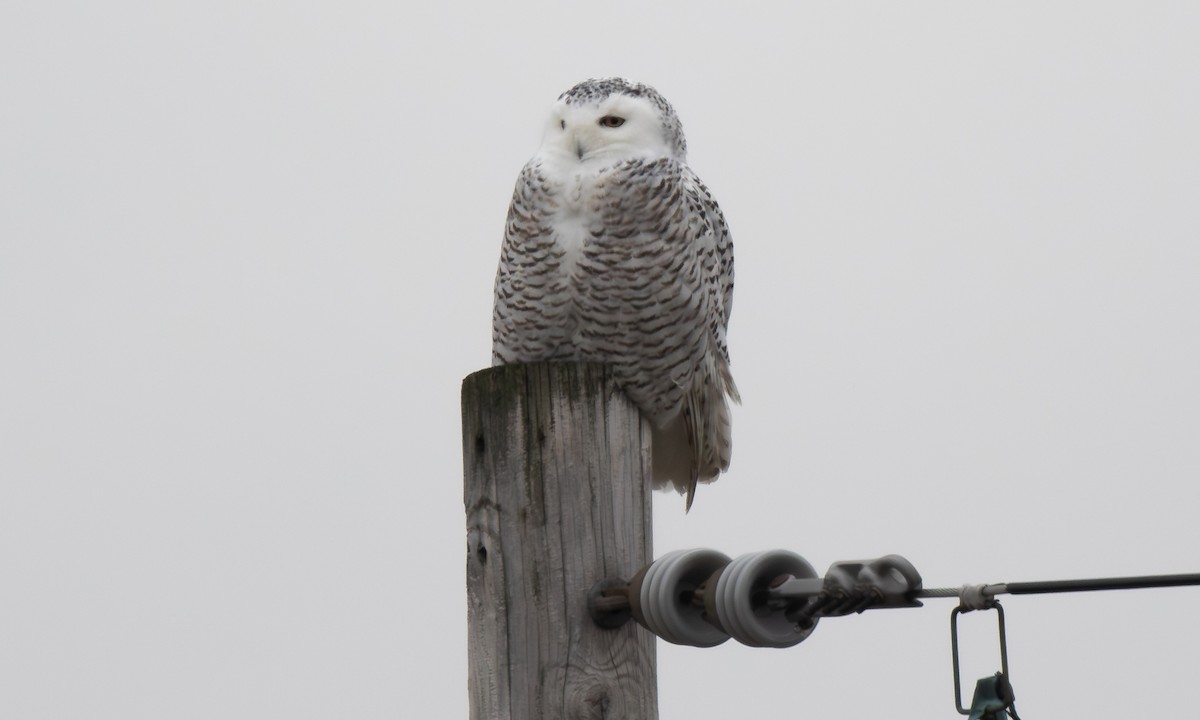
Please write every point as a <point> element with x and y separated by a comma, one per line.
<point>671,456</point>
<point>695,446</point>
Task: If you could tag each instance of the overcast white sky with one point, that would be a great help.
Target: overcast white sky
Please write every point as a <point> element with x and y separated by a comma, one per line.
<point>246,258</point>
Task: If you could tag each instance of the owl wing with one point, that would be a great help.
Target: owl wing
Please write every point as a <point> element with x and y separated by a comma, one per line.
<point>695,445</point>
<point>717,244</point>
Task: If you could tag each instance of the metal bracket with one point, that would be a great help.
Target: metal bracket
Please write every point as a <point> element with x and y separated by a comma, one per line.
<point>998,685</point>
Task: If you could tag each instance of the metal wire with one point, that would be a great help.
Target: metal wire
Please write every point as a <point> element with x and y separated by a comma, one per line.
<point>938,592</point>
<point>1064,586</point>
<point>1119,583</point>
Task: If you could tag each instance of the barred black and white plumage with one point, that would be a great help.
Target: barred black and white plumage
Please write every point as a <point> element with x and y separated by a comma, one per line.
<point>615,252</point>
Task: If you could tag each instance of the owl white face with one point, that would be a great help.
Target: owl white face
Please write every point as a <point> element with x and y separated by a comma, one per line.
<point>619,127</point>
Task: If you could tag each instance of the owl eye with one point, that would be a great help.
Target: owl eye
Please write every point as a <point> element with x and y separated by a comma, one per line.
<point>612,121</point>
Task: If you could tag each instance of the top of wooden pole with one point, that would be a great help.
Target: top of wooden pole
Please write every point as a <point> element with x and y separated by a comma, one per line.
<point>556,466</point>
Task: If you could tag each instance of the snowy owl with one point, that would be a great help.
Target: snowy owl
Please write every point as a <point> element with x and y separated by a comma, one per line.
<point>615,252</point>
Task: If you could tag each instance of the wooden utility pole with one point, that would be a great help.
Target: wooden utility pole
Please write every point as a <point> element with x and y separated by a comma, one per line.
<point>556,466</point>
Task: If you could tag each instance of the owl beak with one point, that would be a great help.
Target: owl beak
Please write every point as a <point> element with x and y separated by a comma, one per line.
<point>579,149</point>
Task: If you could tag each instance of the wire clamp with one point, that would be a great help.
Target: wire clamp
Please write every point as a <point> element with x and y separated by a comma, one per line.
<point>993,699</point>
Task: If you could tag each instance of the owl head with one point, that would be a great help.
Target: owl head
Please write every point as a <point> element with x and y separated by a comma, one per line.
<point>614,119</point>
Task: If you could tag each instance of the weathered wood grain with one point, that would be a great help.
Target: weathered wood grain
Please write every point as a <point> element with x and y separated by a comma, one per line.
<point>556,466</point>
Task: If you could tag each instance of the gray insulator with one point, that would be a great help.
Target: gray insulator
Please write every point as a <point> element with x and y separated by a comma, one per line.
<point>680,620</point>
<point>743,582</point>
<point>649,602</point>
